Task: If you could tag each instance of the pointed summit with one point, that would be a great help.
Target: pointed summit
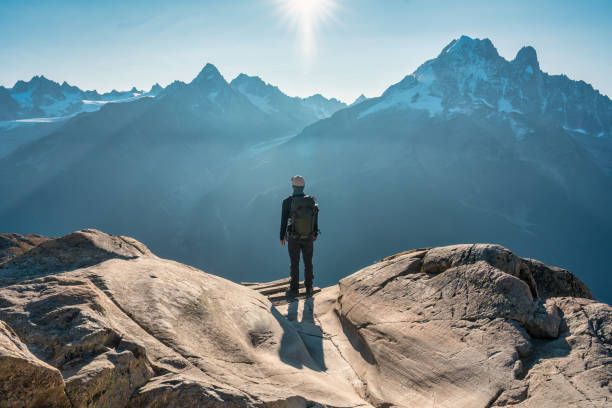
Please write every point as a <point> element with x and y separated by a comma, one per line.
<point>254,85</point>
<point>69,88</point>
<point>359,99</point>
<point>155,89</point>
<point>466,46</point>
<point>527,57</point>
<point>208,73</point>
<point>247,79</point>
<point>40,80</point>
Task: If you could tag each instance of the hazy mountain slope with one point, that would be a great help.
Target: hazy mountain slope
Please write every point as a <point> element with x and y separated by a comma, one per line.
<point>433,183</point>
<point>137,166</point>
<point>11,137</point>
<point>427,164</point>
<point>8,106</point>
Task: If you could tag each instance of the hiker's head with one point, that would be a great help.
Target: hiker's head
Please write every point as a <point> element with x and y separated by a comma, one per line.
<point>298,184</point>
<point>298,181</point>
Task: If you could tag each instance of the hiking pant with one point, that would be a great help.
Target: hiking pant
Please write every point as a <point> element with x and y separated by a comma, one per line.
<point>296,246</point>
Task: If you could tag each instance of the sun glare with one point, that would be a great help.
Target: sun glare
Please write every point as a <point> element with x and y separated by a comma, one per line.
<point>306,7</point>
<point>307,16</point>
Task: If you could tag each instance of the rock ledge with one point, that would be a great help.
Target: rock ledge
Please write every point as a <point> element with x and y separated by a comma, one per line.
<point>92,319</point>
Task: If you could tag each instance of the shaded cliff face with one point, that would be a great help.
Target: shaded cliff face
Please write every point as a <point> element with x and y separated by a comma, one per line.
<point>105,322</point>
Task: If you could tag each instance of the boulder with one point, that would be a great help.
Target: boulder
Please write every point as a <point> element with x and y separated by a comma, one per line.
<point>462,326</point>
<point>25,380</point>
<point>554,282</point>
<point>573,370</point>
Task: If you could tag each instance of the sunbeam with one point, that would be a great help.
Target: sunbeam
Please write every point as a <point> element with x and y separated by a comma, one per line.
<point>307,16</point>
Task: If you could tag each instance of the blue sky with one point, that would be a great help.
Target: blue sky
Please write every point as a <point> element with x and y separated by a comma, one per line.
<point>358,46</point>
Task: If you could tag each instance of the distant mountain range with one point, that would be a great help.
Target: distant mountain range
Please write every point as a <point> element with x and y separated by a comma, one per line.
<point>32,109</point>
<point>468,148</point>
<point>43,98</point>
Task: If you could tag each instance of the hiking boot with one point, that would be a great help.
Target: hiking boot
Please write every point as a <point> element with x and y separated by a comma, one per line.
<point>309,291</point>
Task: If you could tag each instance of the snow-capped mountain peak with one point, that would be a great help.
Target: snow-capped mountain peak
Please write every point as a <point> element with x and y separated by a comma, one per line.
<point>322,106</point>
<point>469,48</point>
<point>266,97</point>
<point>469,76</point>
<point>43,99</point>
<point>254,85</point>
<point>271,99</point>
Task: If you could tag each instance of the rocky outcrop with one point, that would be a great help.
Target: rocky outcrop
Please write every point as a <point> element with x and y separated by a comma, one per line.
<point>12,245</point>
<point>77,250</point>
<point>125,328</point>
<point>26,381</point>
<point>91,319</point>
<point>555,282</point>
<point>461,326</point>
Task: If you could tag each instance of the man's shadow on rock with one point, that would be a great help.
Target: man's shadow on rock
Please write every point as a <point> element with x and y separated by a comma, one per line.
<point>302,341</point>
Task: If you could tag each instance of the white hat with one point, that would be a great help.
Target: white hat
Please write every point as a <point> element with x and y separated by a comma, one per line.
<point>298,181</point>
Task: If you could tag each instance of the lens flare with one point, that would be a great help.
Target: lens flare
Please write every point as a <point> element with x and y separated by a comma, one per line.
<point>307,16</point>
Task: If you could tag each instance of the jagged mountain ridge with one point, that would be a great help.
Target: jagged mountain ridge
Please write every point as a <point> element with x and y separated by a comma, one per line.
<point>42,98</point>
<point>211,93</point>
<point>469,75</point>
<point>458,326</point>
<point>270,99</point>
<point>33,109</point>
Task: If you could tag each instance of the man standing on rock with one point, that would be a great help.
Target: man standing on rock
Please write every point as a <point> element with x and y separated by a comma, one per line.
<point>300,225</point>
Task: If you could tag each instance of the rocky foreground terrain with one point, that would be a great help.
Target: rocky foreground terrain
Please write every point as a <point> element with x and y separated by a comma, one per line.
<point>91,319</point>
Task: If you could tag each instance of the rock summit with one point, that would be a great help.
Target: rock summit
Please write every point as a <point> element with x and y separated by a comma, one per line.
<point>91,319</point>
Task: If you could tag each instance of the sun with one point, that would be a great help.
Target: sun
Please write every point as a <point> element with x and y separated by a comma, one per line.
<point>307,16</point>
<point>308,8</point>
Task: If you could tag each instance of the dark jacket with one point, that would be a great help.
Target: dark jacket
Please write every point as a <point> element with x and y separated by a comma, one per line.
<point>285,217</point>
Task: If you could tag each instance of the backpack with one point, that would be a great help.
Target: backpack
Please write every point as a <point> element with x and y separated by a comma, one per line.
<point>302,217</point>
